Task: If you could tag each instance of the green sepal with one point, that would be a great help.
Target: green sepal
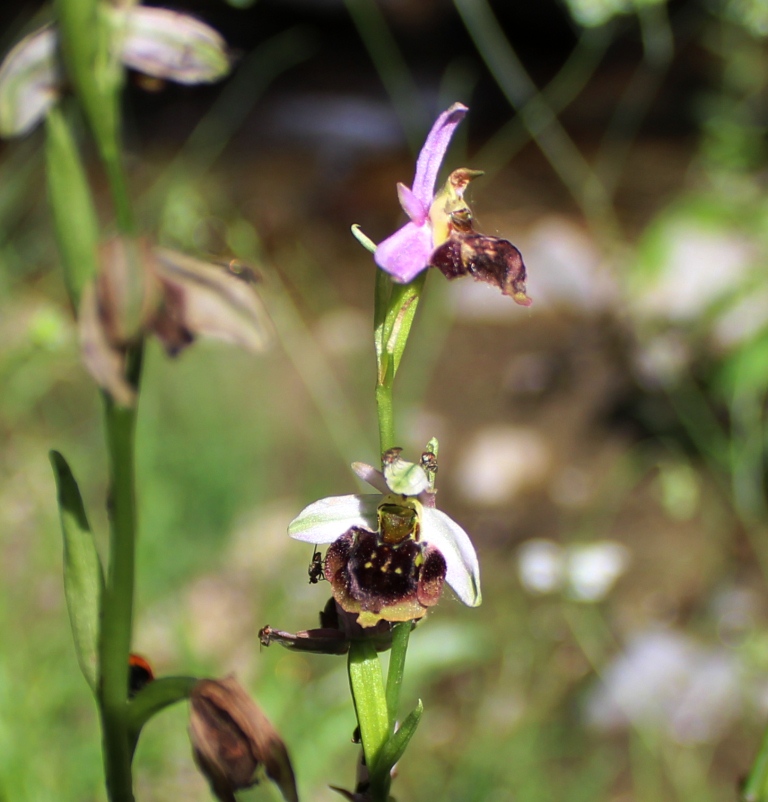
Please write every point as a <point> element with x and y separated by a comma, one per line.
<point>363,239</point>
<point>395,746</point>
<point>83,575</point>
<point>74,217</point>
<point>154,697</point>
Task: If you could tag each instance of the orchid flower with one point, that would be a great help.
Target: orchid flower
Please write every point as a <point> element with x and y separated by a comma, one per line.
<point>407,252</point>
<point>441,230</point>
<point>390,551</point>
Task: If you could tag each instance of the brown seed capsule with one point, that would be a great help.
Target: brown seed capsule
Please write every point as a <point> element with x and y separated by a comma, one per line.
<point>233,741</point>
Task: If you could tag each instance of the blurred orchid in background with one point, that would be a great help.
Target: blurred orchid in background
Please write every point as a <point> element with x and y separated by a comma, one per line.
<point>141,289</point>
<point>158,42</point>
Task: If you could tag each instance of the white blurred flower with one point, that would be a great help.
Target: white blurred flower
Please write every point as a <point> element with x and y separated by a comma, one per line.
<point>667,682</point>
<point>499,462</point>
<point>586,572</point>
<point>541,566</point>
<point>593,568</point>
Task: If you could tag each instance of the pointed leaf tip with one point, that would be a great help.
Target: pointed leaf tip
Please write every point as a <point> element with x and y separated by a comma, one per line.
<point>83,576</point>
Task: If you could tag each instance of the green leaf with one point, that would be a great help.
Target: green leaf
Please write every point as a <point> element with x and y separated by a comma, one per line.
<point>83,576</point>
<point>393,749</point>
<point>395,309</point>
<point>74,216</point>
<point>154,697</point>
<point>403,305</point>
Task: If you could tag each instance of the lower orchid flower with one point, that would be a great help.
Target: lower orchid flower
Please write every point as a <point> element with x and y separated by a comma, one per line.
<point>391,552</point>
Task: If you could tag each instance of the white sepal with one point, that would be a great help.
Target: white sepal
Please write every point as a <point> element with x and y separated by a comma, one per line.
<point>327,519</point>
<point>463,571</point>
<point>30,82</point>
<point>169,45</point>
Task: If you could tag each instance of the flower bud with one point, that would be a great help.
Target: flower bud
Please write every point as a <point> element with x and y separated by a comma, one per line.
<point>127,290</point>
<point>233,741</point>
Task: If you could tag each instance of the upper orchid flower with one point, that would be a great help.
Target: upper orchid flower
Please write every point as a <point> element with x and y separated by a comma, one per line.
<point>441,232</point>
<point>406,253</point>
<point>390,552</point>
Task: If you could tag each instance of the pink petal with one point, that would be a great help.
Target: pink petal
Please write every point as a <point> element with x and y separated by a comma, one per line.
<point>412,206</point>
<point>406,253</point>
<point>433,152</point>
<point>369,474</point>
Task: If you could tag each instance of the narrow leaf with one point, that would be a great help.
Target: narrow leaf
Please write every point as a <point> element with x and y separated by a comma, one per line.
<point>405,300</point>
<point>383,292</point>
<point>74,216</point>
<point>393,749</point>
<point>83,577</point>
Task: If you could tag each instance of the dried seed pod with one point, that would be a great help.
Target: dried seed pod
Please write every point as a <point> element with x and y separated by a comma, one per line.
<point>233,741</point>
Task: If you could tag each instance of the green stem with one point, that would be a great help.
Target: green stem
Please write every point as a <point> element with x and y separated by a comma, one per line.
<point>367,685</point>
<point>386,415</point>
<point>400,635</point>
<point>118,185</point>
<point>117,605</point>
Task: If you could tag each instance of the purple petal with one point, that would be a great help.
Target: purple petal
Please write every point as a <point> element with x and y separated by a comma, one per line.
<point>406,253</point>
<point>369,474</point>
<point>412,206</point>
<point>433,152</point>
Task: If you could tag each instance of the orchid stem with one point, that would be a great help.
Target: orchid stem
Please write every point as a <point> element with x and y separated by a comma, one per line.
<point>400,635</point>
<point>386,416</point>
<point>117,606</point>
<point>367,685</point>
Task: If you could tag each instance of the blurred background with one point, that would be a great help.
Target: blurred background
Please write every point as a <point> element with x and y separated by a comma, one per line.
<point>605,448</point>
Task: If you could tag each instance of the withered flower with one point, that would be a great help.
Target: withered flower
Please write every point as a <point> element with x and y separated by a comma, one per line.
<point>390,553</point>
<point>336,631</point>
<point>440,231</point>
<point>141,289</point>
<point>233,741</point>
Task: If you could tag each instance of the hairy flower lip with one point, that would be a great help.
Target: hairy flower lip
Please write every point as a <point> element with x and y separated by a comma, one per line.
<point>324,521</point>
<point>382,582</point>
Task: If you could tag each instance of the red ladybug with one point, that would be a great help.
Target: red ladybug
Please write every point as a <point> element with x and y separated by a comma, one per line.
<point>139,674</point>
